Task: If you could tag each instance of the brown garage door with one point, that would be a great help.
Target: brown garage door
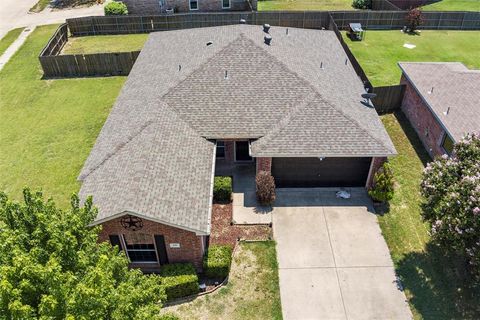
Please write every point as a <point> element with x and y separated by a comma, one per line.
<point>311,172</point>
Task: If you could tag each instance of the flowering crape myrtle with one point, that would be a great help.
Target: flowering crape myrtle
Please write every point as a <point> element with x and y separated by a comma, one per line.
<point>451,188</point>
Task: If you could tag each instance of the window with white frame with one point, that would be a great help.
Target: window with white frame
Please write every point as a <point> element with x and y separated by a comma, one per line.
<point>220,150</point>
<point>140,248</point>
<point>225,4</point>
<point>193,4</point>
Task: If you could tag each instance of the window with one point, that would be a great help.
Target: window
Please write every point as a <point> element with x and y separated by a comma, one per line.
<point>220,149</point>
<point>225,4</point>
<point>140,248</point>
<point>193,4</point>
<point>447,144</point>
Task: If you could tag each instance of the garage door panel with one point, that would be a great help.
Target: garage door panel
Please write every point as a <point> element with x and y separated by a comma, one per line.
<point>329,172</point>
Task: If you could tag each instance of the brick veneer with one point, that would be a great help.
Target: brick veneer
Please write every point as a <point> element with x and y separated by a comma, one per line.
<point>191,249</point>
<point>422,120</point>
<point>153,6</point>
<point>264,164</point>
<point>377,163</point>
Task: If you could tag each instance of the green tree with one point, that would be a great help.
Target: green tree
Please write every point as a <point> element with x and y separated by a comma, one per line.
<point>382,188</point>
<point>451,187</point>
<point>51,266</point>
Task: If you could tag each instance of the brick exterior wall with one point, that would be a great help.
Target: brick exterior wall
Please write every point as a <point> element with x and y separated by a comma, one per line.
<point>264,164</point>
<point>191,248</point>
<point>147,7</point>
<point>377,163</point>
<point>422,120</point>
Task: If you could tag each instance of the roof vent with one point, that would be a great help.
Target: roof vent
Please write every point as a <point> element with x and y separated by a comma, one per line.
<point>226,74</point>
<point>209,43</point>
<point>286,32</point>
<point>266,27</point>
<point>447,112</point>
<point>268,39</point>
<point>431,91</point>
<point>179,67</point>
<point>321,65</point>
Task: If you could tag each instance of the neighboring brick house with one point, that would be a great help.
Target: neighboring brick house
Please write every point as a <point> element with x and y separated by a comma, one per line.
<point>148,7</point>
<point>441,102</point>
<point>199,98</point>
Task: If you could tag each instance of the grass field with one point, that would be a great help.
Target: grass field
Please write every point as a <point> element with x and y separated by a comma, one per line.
<point>303,5</point>
<point>48,126</point>
<point>435,284</point>
<point>99,44</point>
<point>252,291</point>
<point>381,50</point>
<point>453,5</point>
<point>9,38</point>
<point>40,5</point>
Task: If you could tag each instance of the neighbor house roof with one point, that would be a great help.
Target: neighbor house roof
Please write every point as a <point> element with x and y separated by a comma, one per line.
<point>455,97</point>
<point>297,97</point>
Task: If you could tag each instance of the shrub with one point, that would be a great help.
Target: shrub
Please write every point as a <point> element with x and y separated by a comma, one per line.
<point>115,8</point>
<point>265,188</point>
<point>222,189</point>
<point>179,279</point>
<point>382,189</point>
<point>451,188</point>
<point>362,4</point>
<point>414,19</point>
<point>216,262</point>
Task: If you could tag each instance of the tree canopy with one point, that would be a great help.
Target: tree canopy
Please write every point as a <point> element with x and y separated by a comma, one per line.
<point>51,266</point>
<point>451,187</point>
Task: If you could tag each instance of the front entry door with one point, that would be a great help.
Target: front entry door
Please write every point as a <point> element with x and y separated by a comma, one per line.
<point>242,151</point>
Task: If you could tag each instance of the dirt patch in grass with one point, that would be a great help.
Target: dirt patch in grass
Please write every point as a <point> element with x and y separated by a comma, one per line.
<point>223,232</point>
<point>251,293</point>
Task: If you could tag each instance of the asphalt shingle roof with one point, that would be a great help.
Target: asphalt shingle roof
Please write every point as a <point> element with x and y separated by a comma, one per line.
<point>152,156</point>
<point>455,87</point>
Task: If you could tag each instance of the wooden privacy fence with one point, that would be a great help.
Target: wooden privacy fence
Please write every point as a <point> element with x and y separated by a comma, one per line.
<point>384,5</point>
<point>308,19</point>
<point>73,65</point>
<point>388,98</point>
<point>386,20</point>
<point>145,24</point>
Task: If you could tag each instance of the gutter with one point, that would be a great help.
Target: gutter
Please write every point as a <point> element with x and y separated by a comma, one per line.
<point>210,198</point>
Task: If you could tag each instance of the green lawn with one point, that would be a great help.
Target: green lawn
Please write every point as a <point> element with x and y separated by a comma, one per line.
<point>302,5</point>
<point>454,5</point>
<point>252,291</point>
<point>40,5</point>
<point>99,44</point>
<point>9,38</point>
<point>434,283</point>
<point>381,50</point>
<point>48,126</point>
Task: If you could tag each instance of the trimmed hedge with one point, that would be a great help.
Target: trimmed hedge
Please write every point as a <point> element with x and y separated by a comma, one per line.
<point>115,8</point>
<point>222,189</point>
<point>179,279</point>
<point>217,262</point>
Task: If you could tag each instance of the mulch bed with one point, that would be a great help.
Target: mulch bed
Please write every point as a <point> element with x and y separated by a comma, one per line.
<point>224,233</point>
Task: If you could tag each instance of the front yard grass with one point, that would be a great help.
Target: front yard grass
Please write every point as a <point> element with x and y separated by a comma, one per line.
<point>252,291</point>
<point>100,44</point>
<point>48,127</point>
<point>304,5</point>
<point>379,53</point>
<point>453,5</point>
<point>435,284</point>
<point>9,38</point>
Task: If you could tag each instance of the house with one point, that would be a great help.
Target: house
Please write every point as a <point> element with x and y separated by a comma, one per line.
<point>149,7</point>
<point>441,102</point>
<point>199,98</point>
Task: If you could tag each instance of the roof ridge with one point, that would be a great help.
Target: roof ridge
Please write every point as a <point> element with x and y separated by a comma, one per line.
<point>116,149</point>
<point>312,87</point>
<point>289,117</point>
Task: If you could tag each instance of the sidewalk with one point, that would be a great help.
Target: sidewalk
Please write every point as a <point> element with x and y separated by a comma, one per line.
<point>14,14</point>
<point>15,46</point>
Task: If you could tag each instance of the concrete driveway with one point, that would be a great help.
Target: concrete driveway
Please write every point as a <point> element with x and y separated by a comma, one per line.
<point>333,260</point>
